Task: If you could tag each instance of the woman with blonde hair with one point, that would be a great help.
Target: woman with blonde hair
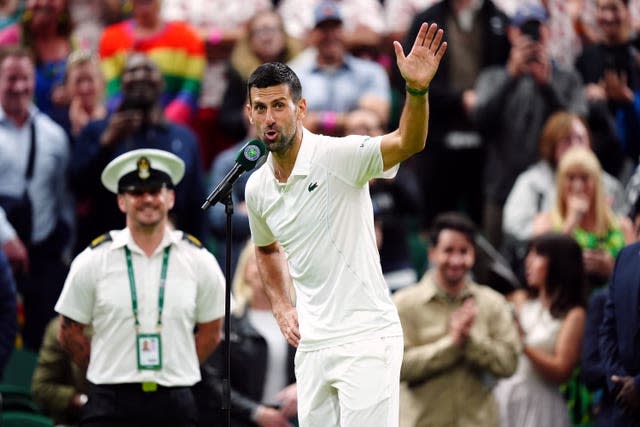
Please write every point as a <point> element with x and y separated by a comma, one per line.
<point>263,388</point>
<point>581,210</point>
<point>264,41</point>
<point>534,189</point>
<point>85,87</point>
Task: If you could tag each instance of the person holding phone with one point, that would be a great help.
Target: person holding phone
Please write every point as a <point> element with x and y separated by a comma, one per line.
<point>139,122</point>
<point>513,103</point>
<point>611,77</point>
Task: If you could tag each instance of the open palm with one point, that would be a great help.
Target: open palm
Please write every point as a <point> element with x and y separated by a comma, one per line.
<point>420,65</point>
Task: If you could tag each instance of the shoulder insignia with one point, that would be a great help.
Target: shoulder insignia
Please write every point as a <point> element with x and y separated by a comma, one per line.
<point>106,237</point>
<point>192,239</point>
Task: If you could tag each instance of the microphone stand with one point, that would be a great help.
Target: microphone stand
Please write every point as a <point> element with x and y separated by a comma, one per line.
<point>226,381</point>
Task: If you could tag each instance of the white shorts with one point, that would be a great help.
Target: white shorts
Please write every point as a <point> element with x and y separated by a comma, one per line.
<point>351,385</point>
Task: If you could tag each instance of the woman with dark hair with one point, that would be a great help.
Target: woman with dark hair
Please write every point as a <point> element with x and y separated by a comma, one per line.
<point>551,317</point>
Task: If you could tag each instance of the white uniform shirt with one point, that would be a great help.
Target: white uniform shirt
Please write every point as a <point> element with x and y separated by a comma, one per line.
<point>97,292</point>
<point>323,218</point>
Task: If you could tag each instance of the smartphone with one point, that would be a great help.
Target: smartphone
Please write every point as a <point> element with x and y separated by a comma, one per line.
<point>128,104</point>
<point>531,29</point>
<point>618,62</point>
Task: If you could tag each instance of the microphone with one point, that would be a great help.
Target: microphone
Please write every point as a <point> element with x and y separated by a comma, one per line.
<point>246,160</point>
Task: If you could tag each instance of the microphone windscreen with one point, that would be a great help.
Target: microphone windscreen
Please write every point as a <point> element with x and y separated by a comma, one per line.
<point>251,154</point>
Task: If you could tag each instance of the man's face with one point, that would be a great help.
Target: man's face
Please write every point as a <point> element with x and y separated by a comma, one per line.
<point>328,38</point>
<point>276,117</point>
<point>146,209</point>
<point>141,81</point>
<point>146,11</point>
<point>17,83</point>
<point>612,17</point>
<point>44,11</point>
<point>453,258</point>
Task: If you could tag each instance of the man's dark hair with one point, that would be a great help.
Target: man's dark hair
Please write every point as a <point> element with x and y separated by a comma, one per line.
<point>274,74</point>
<point>452,221</point>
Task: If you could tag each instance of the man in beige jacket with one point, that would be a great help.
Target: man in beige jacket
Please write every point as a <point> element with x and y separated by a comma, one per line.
<point>459,336</point>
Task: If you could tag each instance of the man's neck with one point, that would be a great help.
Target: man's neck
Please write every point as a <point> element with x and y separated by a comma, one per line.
<point>329,61</point>
<point>148,27</point>
<point>19,119</point>
<point>451,289</point>
<point>284,162</point>
<point>148,238</point>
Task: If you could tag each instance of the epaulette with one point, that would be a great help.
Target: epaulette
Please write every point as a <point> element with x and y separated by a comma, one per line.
<point>192,239</point>
<point>106,237</point>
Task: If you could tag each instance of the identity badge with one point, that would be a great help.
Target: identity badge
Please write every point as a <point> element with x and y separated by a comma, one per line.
<point>149,349</point>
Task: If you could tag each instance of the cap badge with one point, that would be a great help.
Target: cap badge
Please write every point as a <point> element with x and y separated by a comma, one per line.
<point>143,168</point>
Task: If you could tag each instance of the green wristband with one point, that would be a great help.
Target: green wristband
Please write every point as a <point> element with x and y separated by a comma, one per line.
<point>416,92</point>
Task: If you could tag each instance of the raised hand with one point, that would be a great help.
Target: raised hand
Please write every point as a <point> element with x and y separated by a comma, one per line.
<point>422,62</point>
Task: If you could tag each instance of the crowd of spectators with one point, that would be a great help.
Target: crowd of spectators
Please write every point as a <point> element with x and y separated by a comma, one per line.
<point>535,129</point>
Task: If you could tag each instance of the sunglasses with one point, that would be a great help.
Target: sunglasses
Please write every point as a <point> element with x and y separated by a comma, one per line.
<point>152,190</point>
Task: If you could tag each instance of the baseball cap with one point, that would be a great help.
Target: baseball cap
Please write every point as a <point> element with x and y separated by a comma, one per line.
<point>326,10</point>
<point>529,12</point>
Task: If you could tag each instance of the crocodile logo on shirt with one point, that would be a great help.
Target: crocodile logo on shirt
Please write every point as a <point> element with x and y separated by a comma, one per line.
<point>312,186</point>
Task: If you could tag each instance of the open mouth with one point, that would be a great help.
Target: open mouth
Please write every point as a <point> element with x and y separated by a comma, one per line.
<point>271,135</point>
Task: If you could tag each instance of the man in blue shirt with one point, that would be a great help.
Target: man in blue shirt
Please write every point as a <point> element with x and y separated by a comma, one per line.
<point>334,81</point>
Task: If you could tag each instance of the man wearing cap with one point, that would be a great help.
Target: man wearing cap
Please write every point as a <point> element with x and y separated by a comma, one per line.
<point>143,289</point>
<point>334,81</point>
<point>138,123</point>
<point>513,102</point>
<point>364,20</point>
<point>311,219</point>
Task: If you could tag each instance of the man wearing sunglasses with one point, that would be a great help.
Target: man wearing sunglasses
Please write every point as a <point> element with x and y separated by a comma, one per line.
<point>144,290</point>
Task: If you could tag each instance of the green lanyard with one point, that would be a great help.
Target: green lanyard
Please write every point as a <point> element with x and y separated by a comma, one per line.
<point>132,286</point>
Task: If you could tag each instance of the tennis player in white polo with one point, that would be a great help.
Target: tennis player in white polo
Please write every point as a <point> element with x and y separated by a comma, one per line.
<point>311,219</point>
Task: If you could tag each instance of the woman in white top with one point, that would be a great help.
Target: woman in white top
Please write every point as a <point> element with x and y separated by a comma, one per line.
<point>551,317</point>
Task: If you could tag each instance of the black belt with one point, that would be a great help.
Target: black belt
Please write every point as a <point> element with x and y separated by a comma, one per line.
<point>145,387</point>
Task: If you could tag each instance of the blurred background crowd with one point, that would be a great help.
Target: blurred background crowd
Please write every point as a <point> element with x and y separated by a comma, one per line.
<point>534,128</point>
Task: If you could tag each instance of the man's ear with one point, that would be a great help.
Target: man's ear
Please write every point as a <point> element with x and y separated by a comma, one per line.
<point>171,199</point>
<point>430,254</point>
<point>247,110</point>
<point>302,109</point>
<point>122,203</point>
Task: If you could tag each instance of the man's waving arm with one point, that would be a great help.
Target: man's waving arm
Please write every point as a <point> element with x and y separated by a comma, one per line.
<point>418,69</point>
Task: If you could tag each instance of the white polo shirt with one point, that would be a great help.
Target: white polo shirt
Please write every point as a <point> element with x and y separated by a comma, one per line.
<point>97,292</point>
<point>323,218</point>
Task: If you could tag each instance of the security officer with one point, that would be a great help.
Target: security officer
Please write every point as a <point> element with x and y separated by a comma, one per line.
<point>143,289</point>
